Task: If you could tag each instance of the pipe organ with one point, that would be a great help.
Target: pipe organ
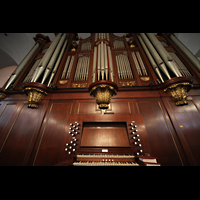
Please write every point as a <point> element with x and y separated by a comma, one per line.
<point>123,66</point>
<point>82,68</point>
<point>105,100</point>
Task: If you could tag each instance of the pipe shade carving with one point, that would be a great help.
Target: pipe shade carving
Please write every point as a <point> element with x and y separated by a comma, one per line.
<point>103,91</point>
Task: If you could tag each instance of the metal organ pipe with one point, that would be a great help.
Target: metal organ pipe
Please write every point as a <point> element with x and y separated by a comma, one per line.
<point>117,59</point>
<point>136,64</point>
<point>120,66</point>
<point>110,64</point>
<point>164,54</point>
<point>106,61</point>
<point>186,52</point>
<point>57,63</point>
<point>123,66</point>
<point>102,61</point>
<point>45,59</point>
<point>154,65</point>
<point>102,55</point>
<point>70,67</point>
<point>94,64</point>
<point>155,55</point>
<point>182,67</point>
<point>88,60</point>
<point>141,63</point>
<point>22,65</point>
<point>53,58</point>
<point>99,57</point>
<point>65,68</point>
<point>31,72</point>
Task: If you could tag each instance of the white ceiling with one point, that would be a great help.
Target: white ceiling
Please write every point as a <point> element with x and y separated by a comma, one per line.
<point>15,46</point>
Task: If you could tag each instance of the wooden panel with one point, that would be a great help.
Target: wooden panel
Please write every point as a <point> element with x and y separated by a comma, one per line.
<point>7,114</point>
<point>110,134</point>
<point>186,120</point>
<point>16,141</point>
<point>49,148</point>
<point>195,154</point>
<point>159,131</point>
<point>88,108</point>
<point>118,106</point>
<point>121,107</point>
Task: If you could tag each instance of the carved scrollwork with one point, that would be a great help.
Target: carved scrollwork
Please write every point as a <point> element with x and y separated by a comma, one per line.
<point>129,83</point>
<point>79,85</point>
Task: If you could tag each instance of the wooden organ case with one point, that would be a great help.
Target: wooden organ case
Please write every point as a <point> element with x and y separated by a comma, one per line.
<point>48,117</point>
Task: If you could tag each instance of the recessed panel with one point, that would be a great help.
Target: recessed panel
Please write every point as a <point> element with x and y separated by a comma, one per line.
<point>104,134</point>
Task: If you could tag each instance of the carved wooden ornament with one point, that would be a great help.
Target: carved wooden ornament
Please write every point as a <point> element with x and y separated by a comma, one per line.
<point>178,92</point>
<point>34,96</point>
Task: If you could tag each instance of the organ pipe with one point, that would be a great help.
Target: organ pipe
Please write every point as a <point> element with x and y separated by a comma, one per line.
<point>136,64</point>
<point>98,65</point>
<point>102,61</point>
<point>22,65</point>
<point>118,66</point>
<point>186,52</point>
<point>154,65</point>
<point>43,63</point>
<point>65,68</point>
<point>53,58</point>
<point>141,63</point>
<point>94,64</point>
<point>110,64</point>
<point>57,63</point>
<point>123,66</point>
<point>106,61</point>
<point>31,72</point>
<point>181,66</point>
<point>82,69</point>
<point>164,54</point>
<point>70,67</point>
<point>155,55</point>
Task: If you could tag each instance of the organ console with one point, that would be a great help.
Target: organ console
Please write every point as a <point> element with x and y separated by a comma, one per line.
<point>150,76</point>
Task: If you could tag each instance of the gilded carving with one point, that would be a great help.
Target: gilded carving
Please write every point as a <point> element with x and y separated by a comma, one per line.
<point>34,96</point>
<point>79,85</point>
<point>63,81</point>
<point>131,40</point>
<point>2,96</point>
<point>103,94</point>
<point>125,84</point>
<point>145,78</point>
<point>178,92</point>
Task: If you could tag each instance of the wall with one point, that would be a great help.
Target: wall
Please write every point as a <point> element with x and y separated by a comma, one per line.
<point>5,74</point>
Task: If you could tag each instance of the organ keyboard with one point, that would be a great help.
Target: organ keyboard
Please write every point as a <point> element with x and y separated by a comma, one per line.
<point>105,160</point>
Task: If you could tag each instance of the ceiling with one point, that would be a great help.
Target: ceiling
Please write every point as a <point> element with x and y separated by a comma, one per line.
<point>15,46</point>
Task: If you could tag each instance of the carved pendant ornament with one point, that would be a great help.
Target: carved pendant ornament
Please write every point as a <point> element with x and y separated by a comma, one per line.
<point>2,96</point>
<point>35,95</point>
<point>103,93</point>
<point>178,92</point>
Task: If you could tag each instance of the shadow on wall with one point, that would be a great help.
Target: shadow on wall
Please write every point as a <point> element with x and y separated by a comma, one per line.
<point>5,73</point>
